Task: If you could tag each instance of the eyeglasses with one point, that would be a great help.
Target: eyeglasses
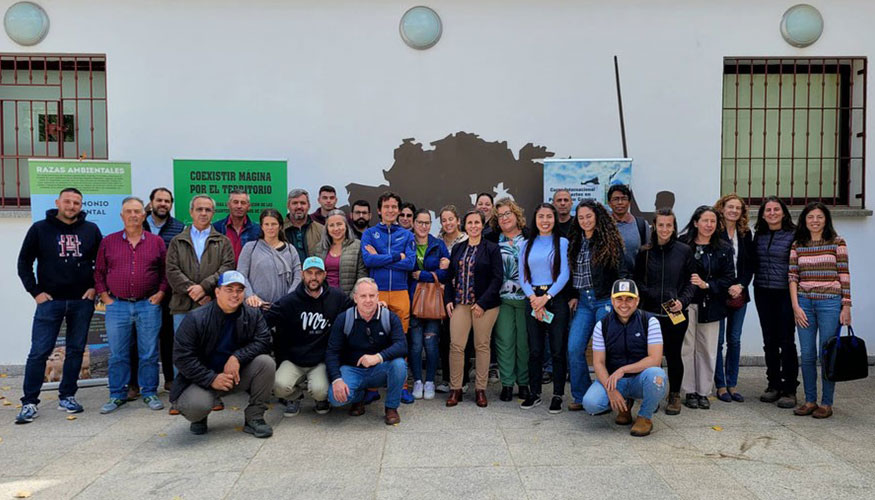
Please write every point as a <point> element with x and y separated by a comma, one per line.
<point>422,223</point>
<point>504,215</point>
<point>619,199</point>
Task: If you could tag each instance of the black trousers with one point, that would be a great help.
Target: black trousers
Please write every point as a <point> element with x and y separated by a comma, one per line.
<point>779,338</point>
<point>556,333</point>
<point>672,342</point>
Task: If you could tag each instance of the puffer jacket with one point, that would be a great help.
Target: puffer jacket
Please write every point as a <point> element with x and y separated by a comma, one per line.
<point>352,267</point>
<point>184,270</point>
<point>772,259</point>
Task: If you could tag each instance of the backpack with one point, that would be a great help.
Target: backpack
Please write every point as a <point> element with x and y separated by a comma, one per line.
<point>349,320</point>
<point>642,229</point>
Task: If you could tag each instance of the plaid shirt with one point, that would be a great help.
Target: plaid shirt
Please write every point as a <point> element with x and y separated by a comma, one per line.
<point>581,275</point>
<point>130,272</point>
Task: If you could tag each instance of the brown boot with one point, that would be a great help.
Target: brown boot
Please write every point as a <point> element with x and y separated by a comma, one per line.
<point>822,412</point>
<point>357,410</point>
<point>642,427</point>
<point>480,397</point>
<point>624,417</point>
<point>674,404</point>
<point>455,397</point>
<point>392,416</point>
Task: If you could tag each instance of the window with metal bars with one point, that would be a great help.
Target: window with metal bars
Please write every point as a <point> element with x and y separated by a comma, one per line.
<point>795,128</point>
<point>51,106</point>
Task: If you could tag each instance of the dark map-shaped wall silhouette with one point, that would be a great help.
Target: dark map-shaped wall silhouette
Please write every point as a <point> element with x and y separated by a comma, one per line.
<point>461,165</point>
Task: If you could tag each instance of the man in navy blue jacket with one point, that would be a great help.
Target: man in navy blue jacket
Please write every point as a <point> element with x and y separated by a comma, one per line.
<point>64,245</point>
<point>239,229</point>
<point>366,350</point>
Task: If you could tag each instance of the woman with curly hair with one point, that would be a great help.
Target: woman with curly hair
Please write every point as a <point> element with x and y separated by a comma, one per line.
<point>595,255</point>
<point>737,232</point>
<point>713,276</point>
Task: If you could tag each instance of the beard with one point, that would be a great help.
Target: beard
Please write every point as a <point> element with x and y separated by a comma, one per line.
<point>361,224</point>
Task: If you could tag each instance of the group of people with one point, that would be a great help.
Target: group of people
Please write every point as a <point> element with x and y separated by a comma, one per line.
<point>325,304</point>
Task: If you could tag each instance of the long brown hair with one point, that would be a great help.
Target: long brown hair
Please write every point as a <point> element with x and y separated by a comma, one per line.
<point>607,244</point>
<point>743,224</point>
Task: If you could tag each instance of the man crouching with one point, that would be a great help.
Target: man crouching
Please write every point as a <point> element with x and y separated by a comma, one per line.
<point>366,349</point>
<point>626,354</point>
<point>222,348</point>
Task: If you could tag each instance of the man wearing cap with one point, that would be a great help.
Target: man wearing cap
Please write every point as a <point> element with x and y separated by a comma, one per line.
<point>366,349</point>
<point>626,355</point>
<point>221,348</point>
<point>303,322</point>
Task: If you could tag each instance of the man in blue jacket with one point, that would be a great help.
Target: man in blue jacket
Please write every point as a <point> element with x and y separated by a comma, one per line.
<point>366,349</point>
<point>64,246</point>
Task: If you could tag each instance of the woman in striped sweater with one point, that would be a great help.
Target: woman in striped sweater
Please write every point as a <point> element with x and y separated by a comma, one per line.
<point>820,289</point>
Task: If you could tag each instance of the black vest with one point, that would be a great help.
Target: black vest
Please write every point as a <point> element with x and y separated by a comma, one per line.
<point>625,344</point>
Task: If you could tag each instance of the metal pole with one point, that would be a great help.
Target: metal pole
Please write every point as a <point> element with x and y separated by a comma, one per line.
<point>88,382</point>
<point>620,105</point>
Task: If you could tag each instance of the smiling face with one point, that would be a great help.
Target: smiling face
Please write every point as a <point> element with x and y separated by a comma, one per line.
<point>449,222</point>
<point>313,278</point>
<point>161,204</point>
<point>665,227</point>
<point>773,214</point>
<point>388,211</point>
<point>707,224</point>
<point>421,225</point>
<point>238,205</point>
<point>619,203</point>
<point>336,225</point>
<point>133,215</point>
<point>484,206</point>
<point>405,218</point>
<point>366,298</point>
<point>229,297</point>
<point>732,210</point>
<point>586,219</point>
<point>69,205</point>
<point>624,306</point>
<point>815,221</point>
<point>545,221</point>
<point>507,220</point>
<point>473,226</point>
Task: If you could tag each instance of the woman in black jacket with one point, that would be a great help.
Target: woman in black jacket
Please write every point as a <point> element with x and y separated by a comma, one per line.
<point>662,271</point>
<point>471,297</point>
<point>775,233</point>
<point>737,233</point>
<point>713,276</point>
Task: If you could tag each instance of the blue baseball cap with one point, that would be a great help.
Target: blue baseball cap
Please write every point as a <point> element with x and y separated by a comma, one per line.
<point>313,262</point>
<point>229,277</point>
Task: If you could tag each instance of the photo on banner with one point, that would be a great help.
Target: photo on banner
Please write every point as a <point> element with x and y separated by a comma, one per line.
<point>104,184</point>
<point>264,180</point>
<point>585,178</point>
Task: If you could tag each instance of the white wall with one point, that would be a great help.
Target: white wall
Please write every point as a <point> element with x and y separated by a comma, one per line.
<point>331,87</point>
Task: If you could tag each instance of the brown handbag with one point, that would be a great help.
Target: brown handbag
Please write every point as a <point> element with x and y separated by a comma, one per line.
<point>428,300</point>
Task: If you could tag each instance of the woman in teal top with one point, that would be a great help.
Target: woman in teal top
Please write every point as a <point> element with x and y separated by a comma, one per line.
<point>511,337</point>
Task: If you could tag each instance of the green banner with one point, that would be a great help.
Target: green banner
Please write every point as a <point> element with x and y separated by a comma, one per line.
<point>89,176</point>
<point>264,180</point>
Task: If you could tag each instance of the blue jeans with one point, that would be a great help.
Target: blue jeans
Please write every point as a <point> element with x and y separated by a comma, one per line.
<point>177,320</point>
<point>44,335</point>
<point>589,311</point>
<point>823,317</point>
<point>392,374</point>
<point>726,373</point>
<point>120,318</point>
<point>648,386</point>
<point>424,332</point>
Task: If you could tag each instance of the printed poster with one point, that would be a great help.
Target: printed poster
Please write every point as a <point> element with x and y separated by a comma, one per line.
<point>585,178</point>
<point>264,180</point>
<point>104,184</point>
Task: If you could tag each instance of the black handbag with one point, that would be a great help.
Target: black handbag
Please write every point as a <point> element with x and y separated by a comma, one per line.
<point>844,358</point>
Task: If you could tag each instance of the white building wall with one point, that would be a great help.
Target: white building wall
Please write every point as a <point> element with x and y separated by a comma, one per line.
<point>331,87</point>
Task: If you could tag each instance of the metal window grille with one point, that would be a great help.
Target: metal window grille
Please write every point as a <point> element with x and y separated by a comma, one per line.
<point>795,128</point>
<point>51,106</point>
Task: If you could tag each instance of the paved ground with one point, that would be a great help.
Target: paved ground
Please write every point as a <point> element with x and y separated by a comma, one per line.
<point>748,450</point>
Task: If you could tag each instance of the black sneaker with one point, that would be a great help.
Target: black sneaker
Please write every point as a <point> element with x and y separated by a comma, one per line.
<point>322,407</point>
<point>555,405</point>
<point>258,428</point>
<point>530,402</point>
<point>506,393</point>
<point>692,400</point>
<point>547,378</point>
<point>523,392</point>
<point>704,403</point>
<point>199,427</point>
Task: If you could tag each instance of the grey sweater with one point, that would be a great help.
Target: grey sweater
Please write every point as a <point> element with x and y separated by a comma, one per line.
<point>270,274</point>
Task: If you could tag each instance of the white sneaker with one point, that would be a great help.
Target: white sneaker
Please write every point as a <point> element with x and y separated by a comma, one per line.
<point>443,388</point>
<point>429,390</point>
<point>417,389</point>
